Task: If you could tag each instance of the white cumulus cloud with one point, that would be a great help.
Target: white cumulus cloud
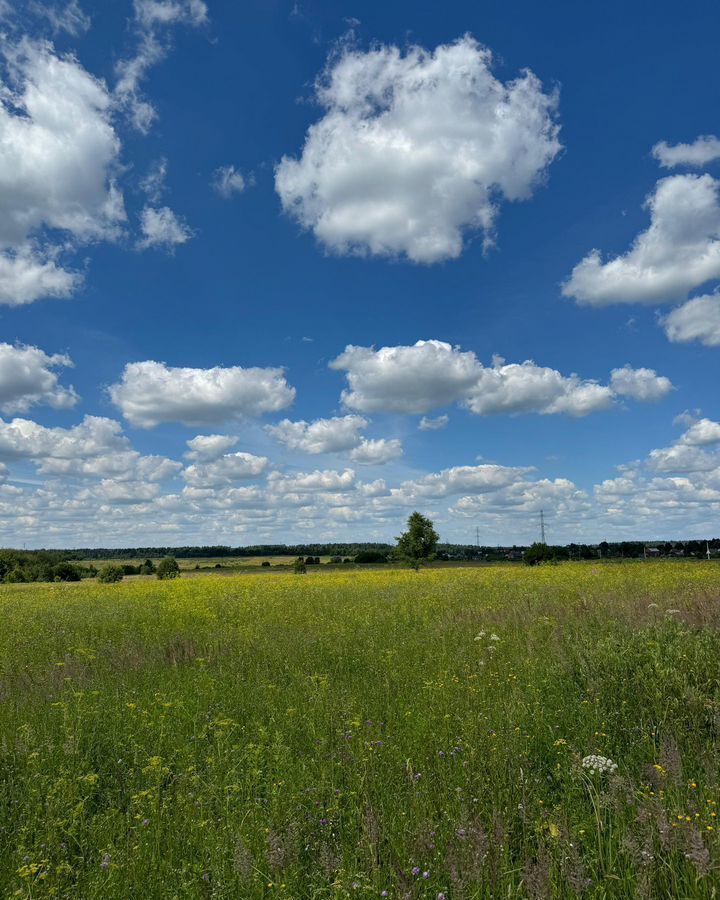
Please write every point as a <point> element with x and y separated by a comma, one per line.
<point>430,374</point>
<point>58,155</point>
<point>702,151</point>
<point>161,228</point>
<point>527,388</point>
<point>644,385</point>
<point>678,252</point>
<point>406,379</point>
<point>228,181</point>
<point>321,436</point>
<point>696,320</point>
<point>416,149</point>
<point>377,452</point>
<point>150,393</point>
<point>208,447</point>
<point>225,470</point>
<point>27,378</point>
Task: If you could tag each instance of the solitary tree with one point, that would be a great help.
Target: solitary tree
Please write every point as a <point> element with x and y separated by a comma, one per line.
<point>417,545</point>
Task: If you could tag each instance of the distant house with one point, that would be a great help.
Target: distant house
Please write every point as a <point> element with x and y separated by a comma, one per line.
<point>514,555</point>
<point>652,551</point>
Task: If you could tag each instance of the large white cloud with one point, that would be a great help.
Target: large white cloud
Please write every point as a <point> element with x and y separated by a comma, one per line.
<point>415,149</point>
<point>151,392</point>
<point>696,320</point>
<point>94,448</point>
<point>430,374</point>
<point>702,151</point>
<point>58,155</point>
<point>678,252</point>
<point>526,387</point>
<point>27,378</point>
<point>402,379</point>
<point>321,436</point>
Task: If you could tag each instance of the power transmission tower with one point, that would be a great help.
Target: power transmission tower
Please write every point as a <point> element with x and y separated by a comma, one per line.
<point>542,526</point>
<point>477,536</point>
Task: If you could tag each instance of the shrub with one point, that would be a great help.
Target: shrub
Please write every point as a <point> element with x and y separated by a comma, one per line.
<point>66,571</point>
<point>538,553</point>
<point>111,573</point>
<point>168,568</point>
<point>148,567</point>
<point>370,556</point>
<point>265,564</point>
<point>300,568</point>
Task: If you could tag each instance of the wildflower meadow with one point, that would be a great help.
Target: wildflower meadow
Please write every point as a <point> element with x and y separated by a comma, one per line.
<point>454,733</point>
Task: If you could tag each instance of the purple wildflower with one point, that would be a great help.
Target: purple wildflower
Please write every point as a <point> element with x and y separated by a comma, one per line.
<point>105,862</point>
<point>415,870</point>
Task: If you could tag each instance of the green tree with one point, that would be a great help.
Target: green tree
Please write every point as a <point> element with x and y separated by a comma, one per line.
<point>300,567</point>
<point>539,553</point>
<point>417,545</point>
<point>167,568</point>
<point>110,574</point>
<point>147,568</point>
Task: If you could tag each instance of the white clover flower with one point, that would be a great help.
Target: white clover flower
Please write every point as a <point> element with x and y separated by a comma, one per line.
<point>494,637</point>
<point>480,635</point>
<point>653,606</point>
<point>599,765</point>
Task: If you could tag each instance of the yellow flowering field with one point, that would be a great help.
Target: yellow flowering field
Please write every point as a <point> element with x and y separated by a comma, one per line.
<point>456,733</point>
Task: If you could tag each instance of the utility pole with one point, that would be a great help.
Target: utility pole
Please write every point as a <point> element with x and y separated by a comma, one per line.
<point>707,549</point>
<point>477,536</point>
<point>542,527</point>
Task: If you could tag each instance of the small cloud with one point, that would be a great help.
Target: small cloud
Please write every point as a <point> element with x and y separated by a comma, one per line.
<point>427,423</point>
<point>227,181</point>
<point>161,228</point>
<point>687,418</point>
<point>153,184</point>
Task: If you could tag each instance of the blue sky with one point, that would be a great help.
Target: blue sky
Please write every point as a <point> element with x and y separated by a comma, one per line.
<point>509,216</point>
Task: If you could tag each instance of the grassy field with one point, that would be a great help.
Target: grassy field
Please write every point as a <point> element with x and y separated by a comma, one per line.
<point>205,562</point>
<point>363,734</point>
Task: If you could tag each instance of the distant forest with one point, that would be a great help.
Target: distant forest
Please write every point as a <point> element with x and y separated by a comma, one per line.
<point>621,549</point>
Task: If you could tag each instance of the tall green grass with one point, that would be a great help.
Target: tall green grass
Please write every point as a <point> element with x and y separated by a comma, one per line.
<point>345,735</point>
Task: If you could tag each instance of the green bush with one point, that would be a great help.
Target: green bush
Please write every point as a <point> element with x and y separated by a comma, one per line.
<point>371,556</point>
<point>168,568</point>
<point>111,573</point>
